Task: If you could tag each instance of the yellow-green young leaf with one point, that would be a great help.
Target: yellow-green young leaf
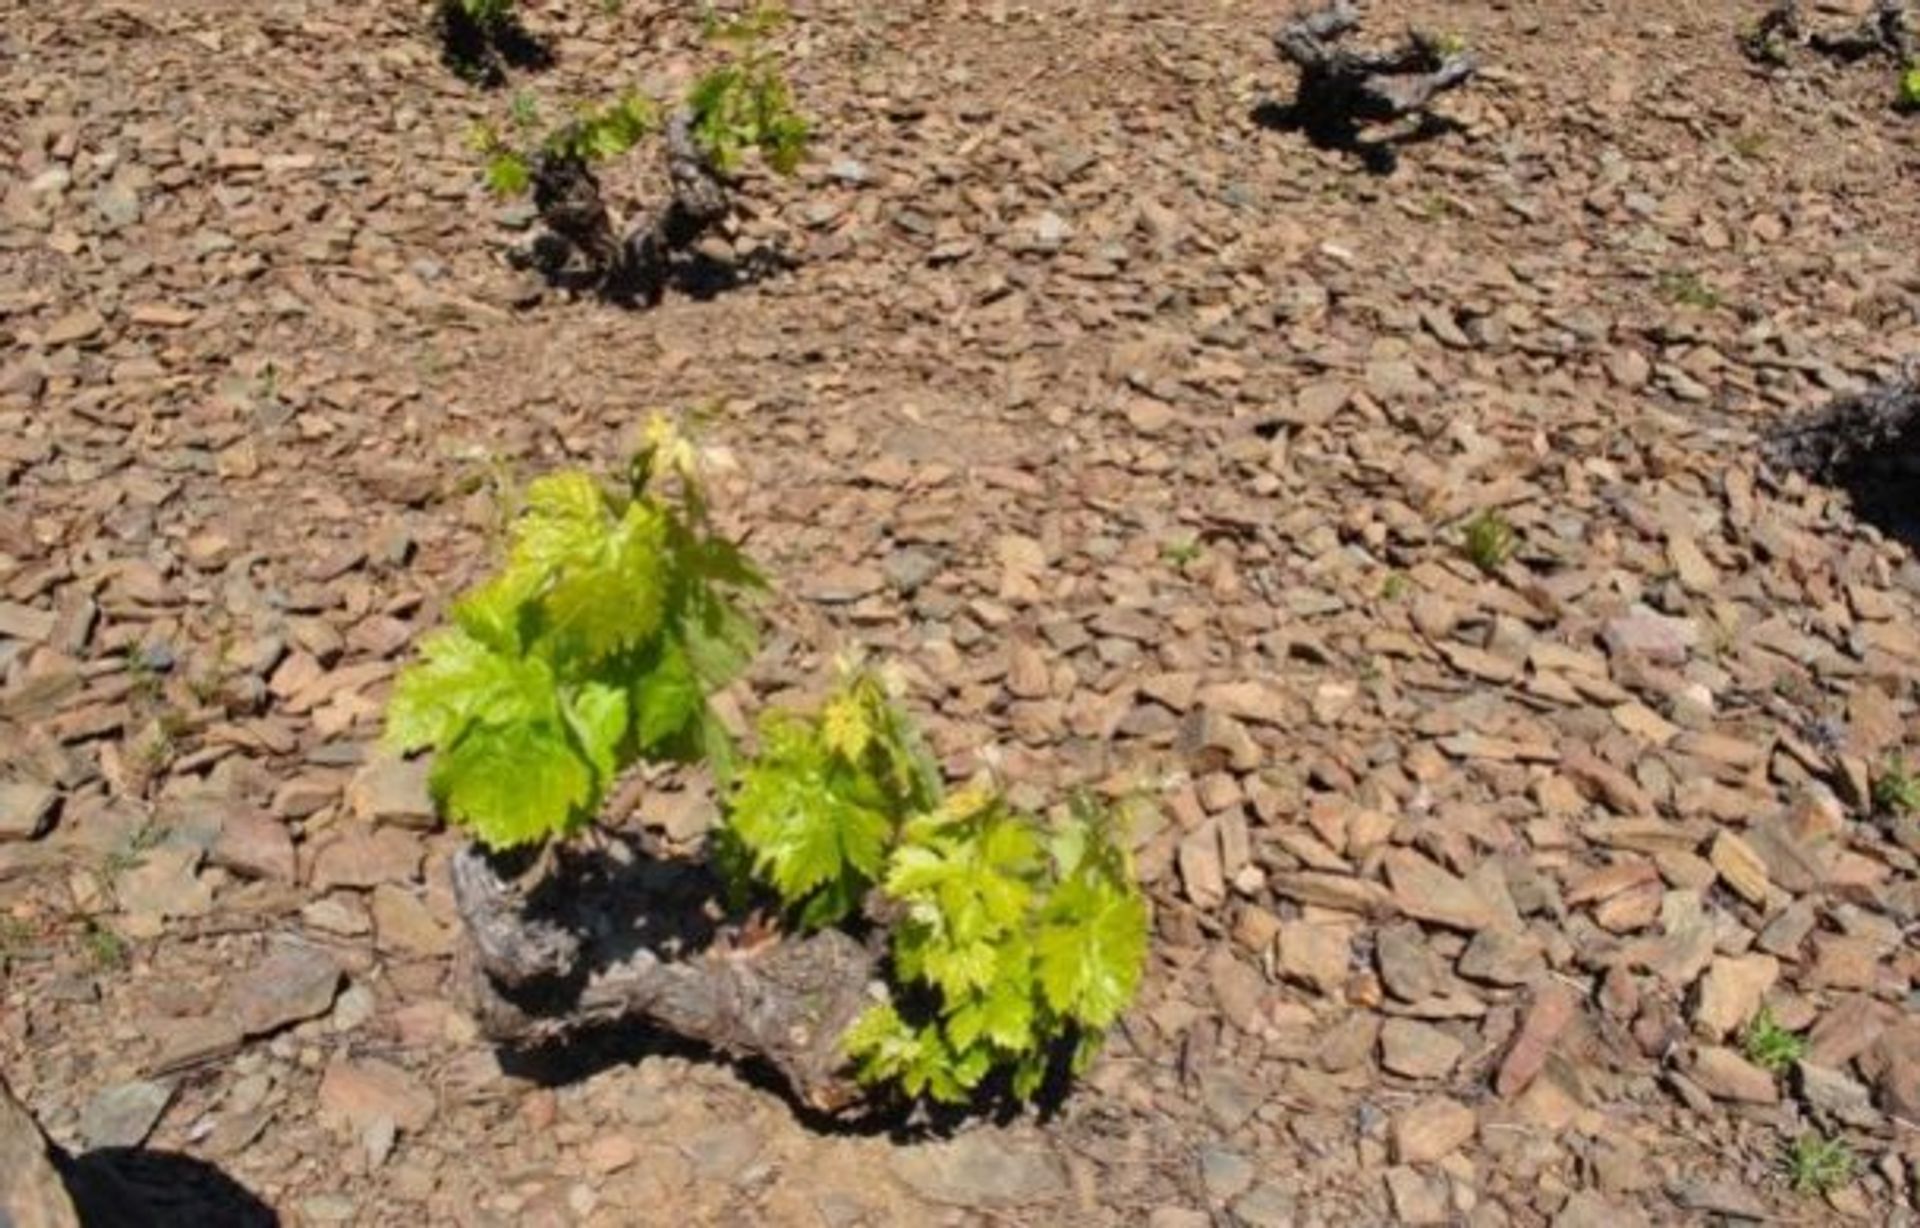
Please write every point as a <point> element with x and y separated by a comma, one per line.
<point>564,522</point>
<point>515,784</point>
<point>961,969</point>
<point>668,697</point>
<point>1092,949</point>
<point>845,725</point>
<point>609,597</point>
<point>458,680</point>
<point>599,716</point>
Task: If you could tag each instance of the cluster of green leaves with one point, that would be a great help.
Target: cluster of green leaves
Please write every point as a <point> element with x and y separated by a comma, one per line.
<point>597,643</point>
<point>1488,540</point>
<point>1816,1164</point>
<point>746,104</point>
<point>1771,1046</point>
<point>486,14</point>
<point>594,134</point>
<point>1896,790</point>
<point>1909,96</point>
<point>1015,938</point>
<point>818,808</point>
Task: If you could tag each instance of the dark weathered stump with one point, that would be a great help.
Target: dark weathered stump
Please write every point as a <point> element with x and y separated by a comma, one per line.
<point>1342,88</point>
<point>599,939</point>
<point>1867,444</point>
<point>633,267</point>
<point>1887,31</point>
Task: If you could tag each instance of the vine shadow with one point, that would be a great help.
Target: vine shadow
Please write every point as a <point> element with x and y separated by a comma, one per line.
<point>135,1187</point>
<point>1340,134</point>
<point>482,52</point>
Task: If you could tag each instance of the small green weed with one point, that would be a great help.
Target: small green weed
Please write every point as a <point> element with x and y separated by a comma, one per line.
<point>1896,790</point>
<point>1683,286</point>
<point>1396,586</point>
<point>131,855</point>
<point>14,934</point>
<point>1910,87</point>
<point>1183,553</point>
<point>1488,541</point>
<point>104,946</point>
<point>1770,1046</point>
<point>1816,1164</point>
<point>1750,144</point>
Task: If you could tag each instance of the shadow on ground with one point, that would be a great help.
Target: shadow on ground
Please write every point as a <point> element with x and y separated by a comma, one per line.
<point>1378,155</point>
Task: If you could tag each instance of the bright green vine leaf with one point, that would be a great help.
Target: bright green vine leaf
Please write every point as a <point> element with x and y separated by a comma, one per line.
<point>575,659</point>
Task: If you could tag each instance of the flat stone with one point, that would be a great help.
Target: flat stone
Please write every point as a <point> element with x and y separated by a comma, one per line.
<point>1553,1010</point>
<point>1725,1075</point>
<point>254,844</point>
<point>1226,1174</point>
<point>1423,890</point>
<point>362,1092</point>
<point>1589,1210</point>
<point>25,808</point>
<point>979,1169</point>
<point>723,1152</point>
<point>394,791</point>
<point>1266,1205</point>
<point>403,924</point>
<point>1740,867</point>
<point>1320,956</point>
<point>842,584</point>
<point>163,883</point>
<point>1417,1199</point>
<point>1501,957</point>
<point>1431,1130</point>
<point>294,983</point>
<point>1731,993</point>
<point>124,1114</point>
<point>367,859</point>
<point>1418,1050</point>
<point>1835,1097</point>
<point>1652,635</point>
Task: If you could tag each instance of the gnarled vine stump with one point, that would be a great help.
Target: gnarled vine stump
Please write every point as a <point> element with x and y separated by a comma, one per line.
<point>1342,88</point>
<point>605,938</point>
<point>633,267</point>
<point>1868,444</point>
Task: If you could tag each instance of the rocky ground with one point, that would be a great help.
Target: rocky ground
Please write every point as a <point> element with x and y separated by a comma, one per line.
<point>1144,437</point>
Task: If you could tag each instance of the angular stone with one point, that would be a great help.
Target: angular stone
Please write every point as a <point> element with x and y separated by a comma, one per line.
<point>393,791</point>
<point>25,807</point>
<point>1554,1008</point>
<point>294,983</point>
<point>367,859</point>
<point>1731,993</point>
<point>1431,1130</point>
<point>978,1169</point>
<point>163,883</point>
<point>1200,867</point>
<point>1423,890</point>
<point>124,1114</point>
<point>363,1092</point>
<point>1407,963</point>
<point>1316,955</point>
<point>1646,633</point>
<point>254,844</point>
<point>403,924</point>
<point>1740,867</point>
<point>1725,1075</point>
<point>1417,1199</point>
<point>1499,957</point>
<point>1418,1050</point>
